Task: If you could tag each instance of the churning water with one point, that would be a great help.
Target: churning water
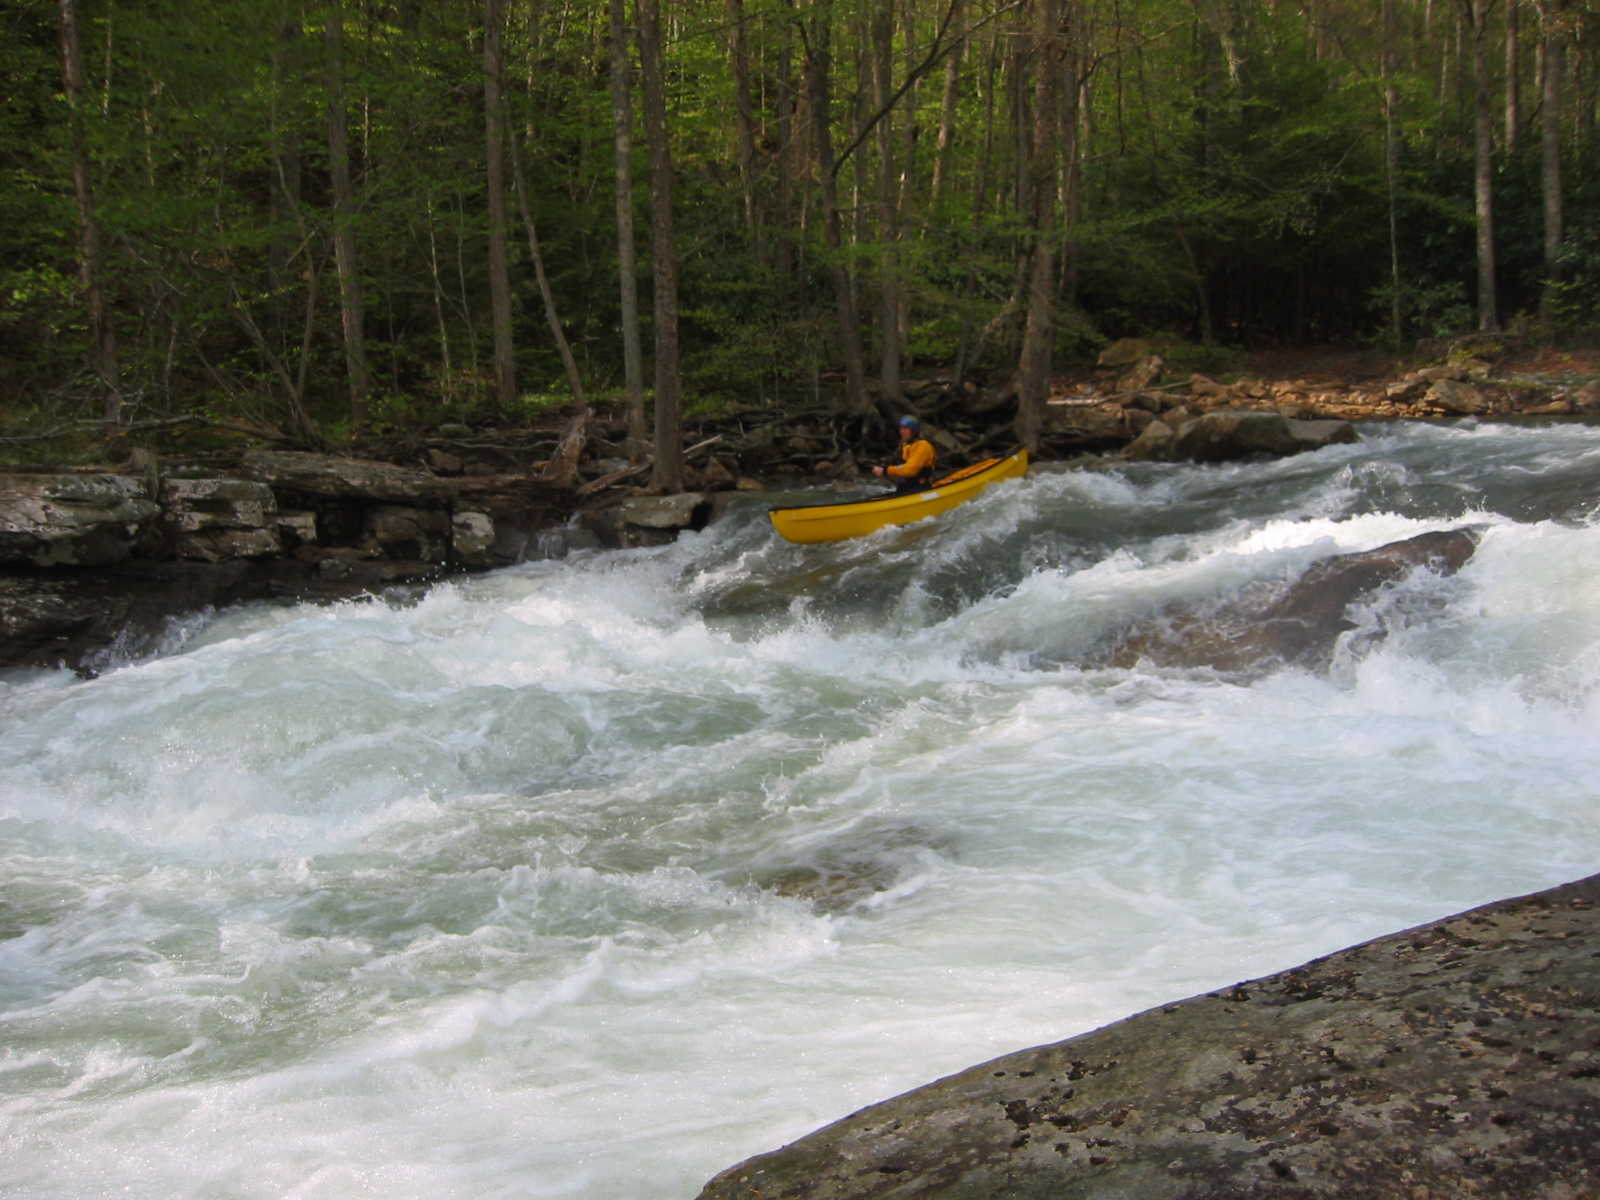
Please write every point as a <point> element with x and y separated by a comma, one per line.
<point>589,878</point>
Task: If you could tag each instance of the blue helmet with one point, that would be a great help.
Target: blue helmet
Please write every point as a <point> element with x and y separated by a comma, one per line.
<point>912,424</point>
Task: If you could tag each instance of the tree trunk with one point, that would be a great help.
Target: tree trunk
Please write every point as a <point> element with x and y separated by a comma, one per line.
<point>505,366</point>
<point>447,371</point>
<point>1550,167</point>
<point>1033,368</point>
<point>91,268</point>
<point>787,154</point>
<point>1391,168</point>
<point>744,114</point>
<point>1072,157</point>
<point>627,261</point>
<point>551,315</point>
<point>947,113</point>
<point>1513,75</point>
<point>888,213</point>
<point>285,203</point>
<point>971,338</point>
<point>818,79</point>
<point>1483,143</point>
<point>667,475</point>
<point>346,261</point>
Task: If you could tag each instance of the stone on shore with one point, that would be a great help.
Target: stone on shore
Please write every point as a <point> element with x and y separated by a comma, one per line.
<point>1459,1058</point>
<point>1229,434</point>
<point>94,567</point>
<point>72,520</point>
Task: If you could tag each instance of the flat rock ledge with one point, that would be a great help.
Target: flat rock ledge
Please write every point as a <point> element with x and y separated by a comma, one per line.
<point>1459,1058</point>
<point>97,567</point>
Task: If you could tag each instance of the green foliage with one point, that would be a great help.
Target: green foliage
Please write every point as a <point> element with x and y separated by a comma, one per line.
<point>1426,311</point>
<point>1575,297</point>
<point>1184,357</point>
<point>1233,209</point>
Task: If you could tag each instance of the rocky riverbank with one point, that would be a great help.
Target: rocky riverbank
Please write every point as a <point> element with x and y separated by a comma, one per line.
<point>97,564</point>
<point>1455,1059</point>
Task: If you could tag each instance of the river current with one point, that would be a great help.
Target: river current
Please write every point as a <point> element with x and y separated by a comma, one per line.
<point>588,878</point>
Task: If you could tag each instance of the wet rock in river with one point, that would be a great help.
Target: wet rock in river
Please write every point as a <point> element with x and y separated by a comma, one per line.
<point>1298,625</point>
<point>1454,1059</point>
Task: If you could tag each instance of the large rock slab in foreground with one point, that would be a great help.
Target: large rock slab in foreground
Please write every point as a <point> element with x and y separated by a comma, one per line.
<point>1460,1058</point>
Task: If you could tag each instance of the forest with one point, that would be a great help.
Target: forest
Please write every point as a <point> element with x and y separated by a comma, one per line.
<point>326,218</point>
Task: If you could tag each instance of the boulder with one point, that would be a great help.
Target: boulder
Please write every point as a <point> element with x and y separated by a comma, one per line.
<point>72,520</point>
<point>1092,422</point>
<point>442,462</point>
<point>678,511</point>
<point>1206,387</point>
<point>296,529</point>
<point>330,477</point>
<point>521,508</point>
<point>1229,434</point>
<point>1299,625</point>
<point>1155,443</point>
<point>648,520</point>
<point>472,539</point>
<point>397,531</point>
<point>1457,397</point>
<point>1454,1059</point>
<point>217,519</point>
<point>1141,374</point>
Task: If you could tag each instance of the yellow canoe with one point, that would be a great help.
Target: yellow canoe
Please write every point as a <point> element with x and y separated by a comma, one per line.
<point>833,522</point>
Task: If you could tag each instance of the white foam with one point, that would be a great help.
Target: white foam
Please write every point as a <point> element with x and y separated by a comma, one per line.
<point>491,894</point>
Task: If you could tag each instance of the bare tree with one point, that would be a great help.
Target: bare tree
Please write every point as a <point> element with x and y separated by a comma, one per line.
<point>505,365</point>
<point>888,207</point>
<point>1033,367</point>
<point>667,475</point>
<point>1476,13</point>
<point>1554,39</point>
<point>819,83</point>
<point>1391,165</point>
<point>745,123</point>
<point>627,257</point>
<point>546,294</point>
<point>1513,74</point>
<point>346,262</point>
<point>947,113</point>
<point>91,268</point>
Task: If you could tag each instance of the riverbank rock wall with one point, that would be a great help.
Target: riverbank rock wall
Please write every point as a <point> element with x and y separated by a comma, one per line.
<point>95,564</point>
<point>1459,1058</point>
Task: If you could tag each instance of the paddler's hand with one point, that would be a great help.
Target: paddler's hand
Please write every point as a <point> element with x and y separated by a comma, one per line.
<point>877,471</point>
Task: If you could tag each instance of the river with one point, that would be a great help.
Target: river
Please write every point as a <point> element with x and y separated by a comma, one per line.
<point>587,878</point>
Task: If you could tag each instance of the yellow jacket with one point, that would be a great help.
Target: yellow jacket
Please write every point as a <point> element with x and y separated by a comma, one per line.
<point>916,459</point>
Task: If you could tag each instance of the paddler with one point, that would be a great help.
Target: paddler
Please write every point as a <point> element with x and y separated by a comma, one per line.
<point>914,471</point>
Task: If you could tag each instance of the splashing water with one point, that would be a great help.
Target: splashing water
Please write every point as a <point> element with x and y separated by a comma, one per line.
<point>587,879</point>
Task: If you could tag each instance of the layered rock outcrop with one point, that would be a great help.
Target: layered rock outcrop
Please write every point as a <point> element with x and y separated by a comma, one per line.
<point>1455,1059</point>
<point>93,565</point>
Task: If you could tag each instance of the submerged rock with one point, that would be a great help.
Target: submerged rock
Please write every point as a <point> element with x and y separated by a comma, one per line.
<point>1296,625</point>
<point>1454,1059</point>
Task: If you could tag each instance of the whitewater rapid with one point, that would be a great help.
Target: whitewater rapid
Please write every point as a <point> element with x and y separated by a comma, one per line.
<point>590,877</point>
